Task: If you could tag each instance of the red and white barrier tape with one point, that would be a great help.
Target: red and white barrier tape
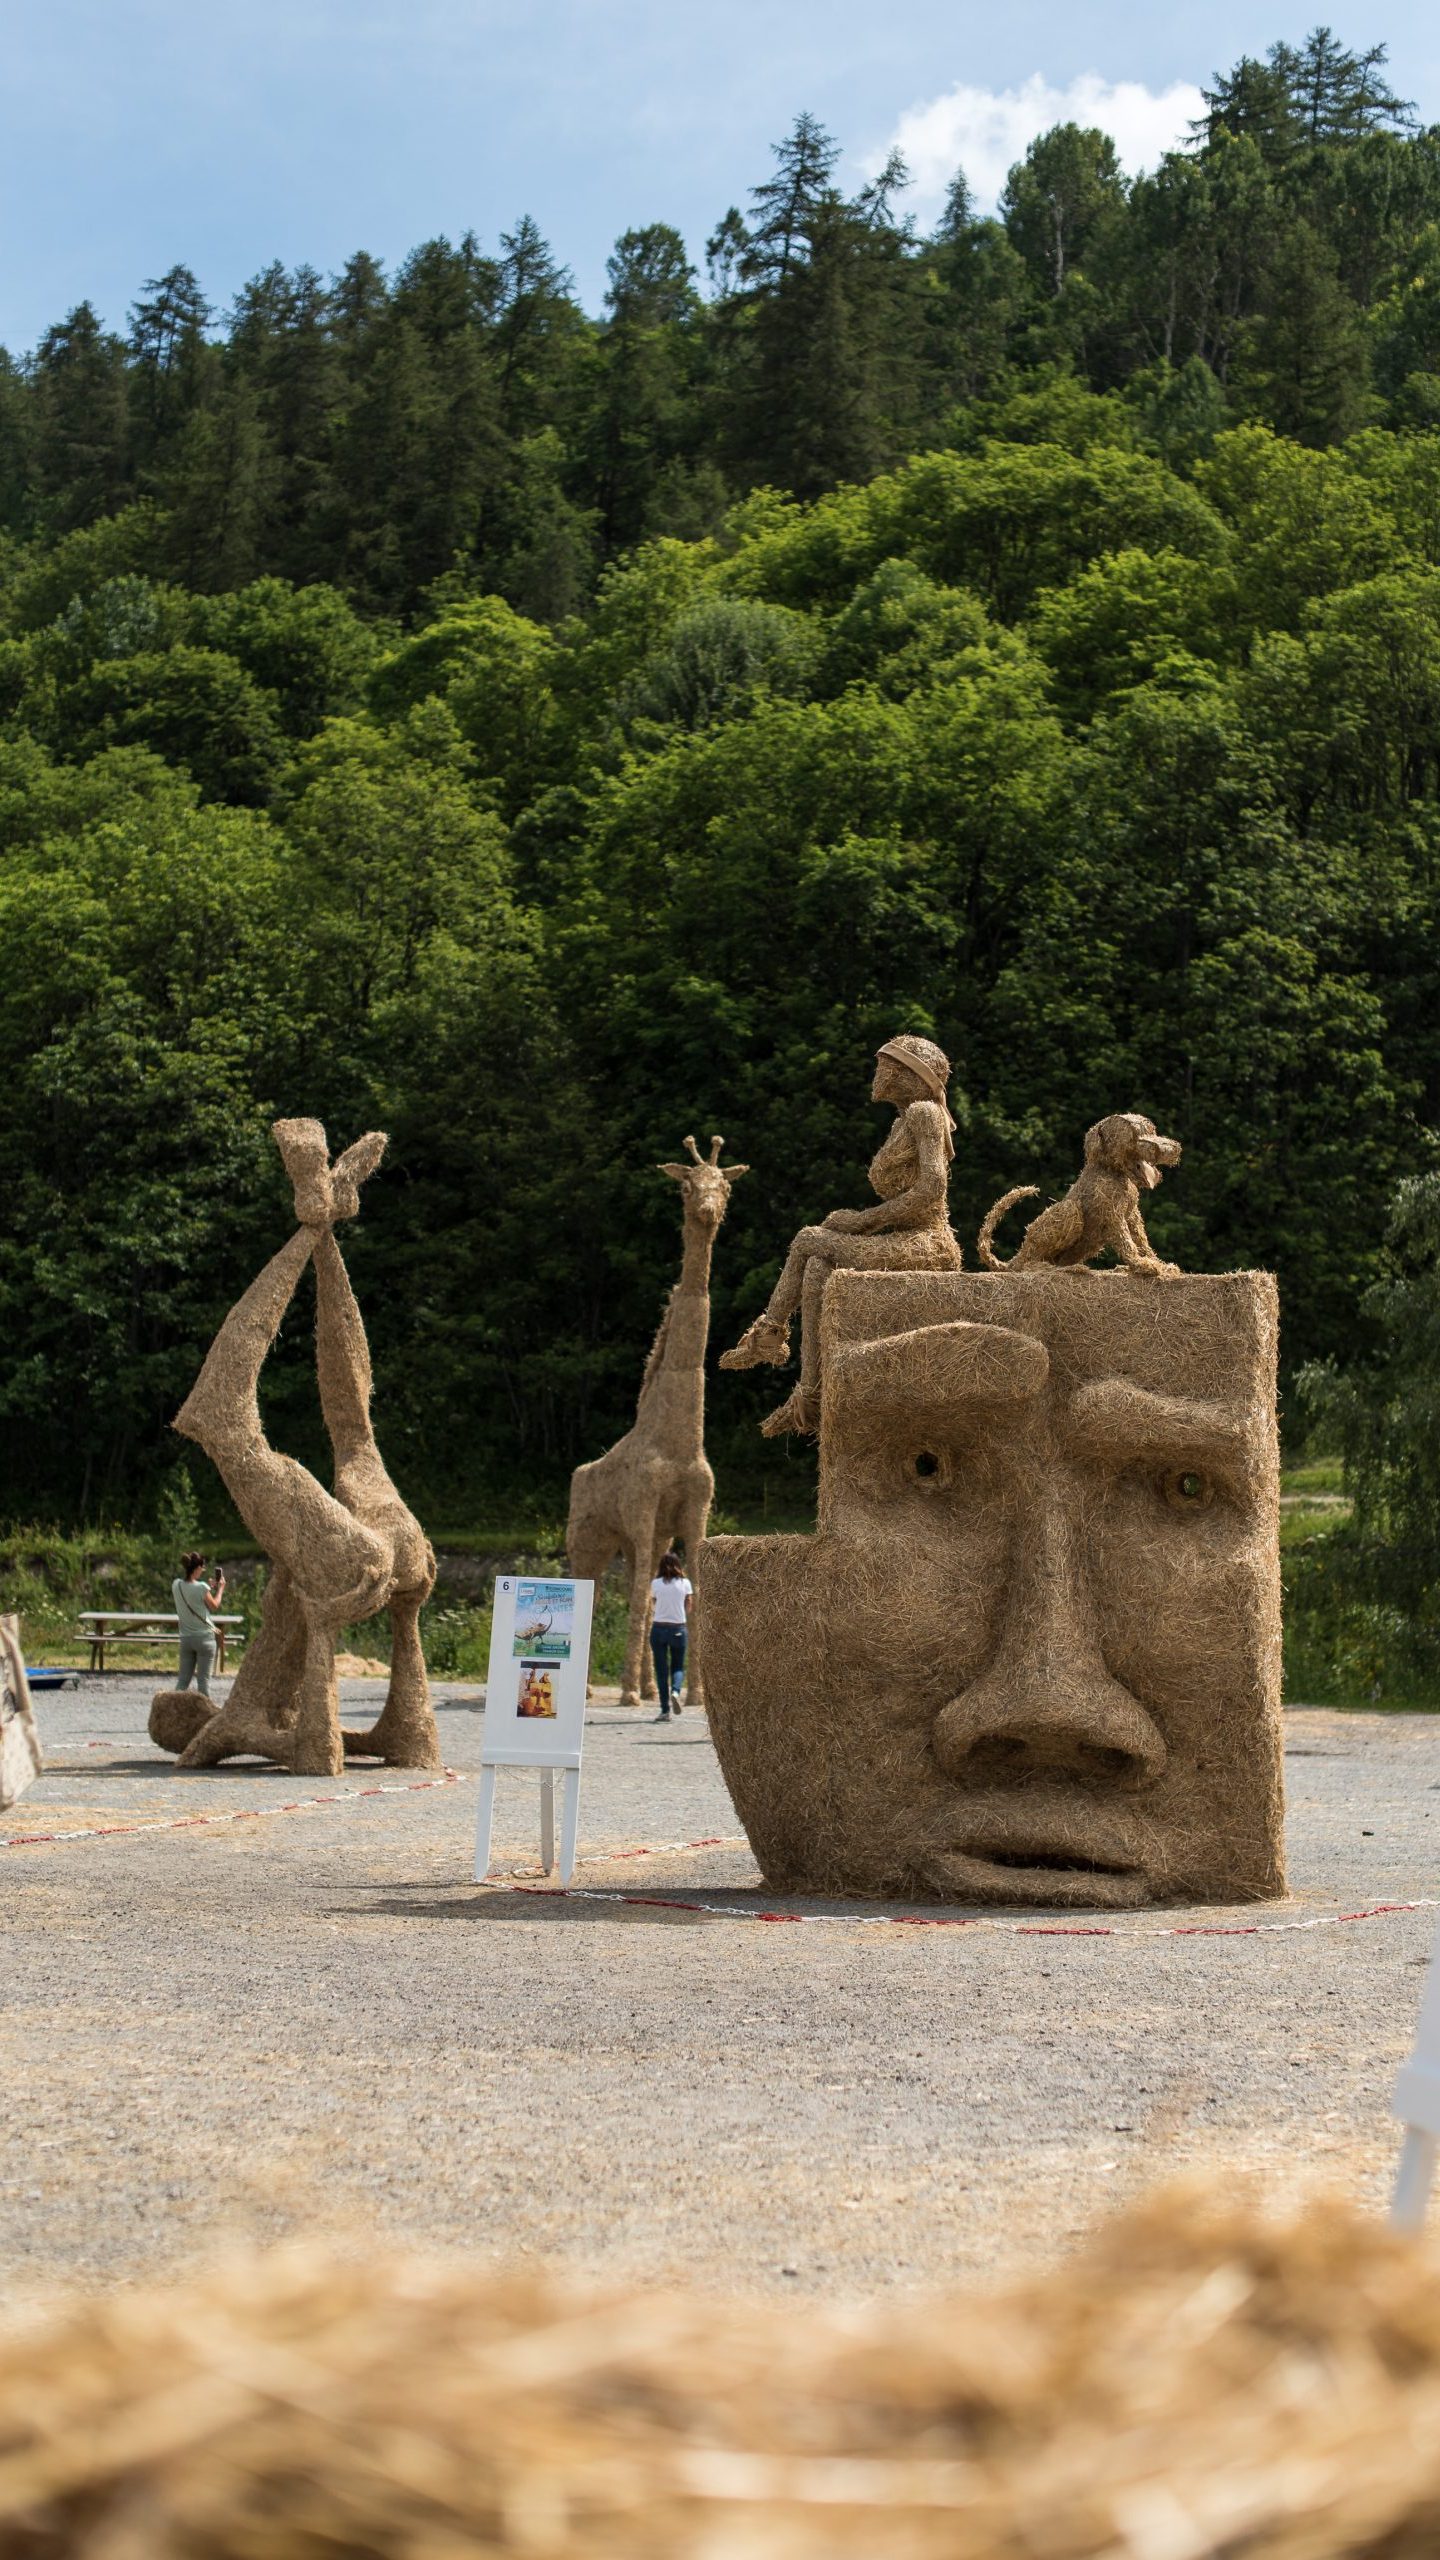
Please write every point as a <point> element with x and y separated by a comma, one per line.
<point>516,1881</point>
<point>958,1919</point>
<point>241,1813</point>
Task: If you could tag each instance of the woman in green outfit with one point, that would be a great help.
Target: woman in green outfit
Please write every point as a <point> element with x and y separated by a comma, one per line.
<point>194,1600</point>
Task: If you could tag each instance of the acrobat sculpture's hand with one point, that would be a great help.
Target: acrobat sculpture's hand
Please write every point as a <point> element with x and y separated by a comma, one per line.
<point>845,1222</point>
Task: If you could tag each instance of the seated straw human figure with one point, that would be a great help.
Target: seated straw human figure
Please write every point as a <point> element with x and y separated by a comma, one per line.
<point>908,1230</point>
<point>335,1558</point>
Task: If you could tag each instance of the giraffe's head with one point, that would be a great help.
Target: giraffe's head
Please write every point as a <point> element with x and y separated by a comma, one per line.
<point>705,1185</point>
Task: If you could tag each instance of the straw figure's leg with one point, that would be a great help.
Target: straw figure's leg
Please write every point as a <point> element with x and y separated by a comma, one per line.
<point>332,1561</point>
<point>801,1408</point>
<point>404,1734</point>
<point>641,1559</point>
<point>257,1716</point>
<point>319,1745</point>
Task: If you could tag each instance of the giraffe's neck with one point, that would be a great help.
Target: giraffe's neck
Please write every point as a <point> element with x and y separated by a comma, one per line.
<point>675,1400</point>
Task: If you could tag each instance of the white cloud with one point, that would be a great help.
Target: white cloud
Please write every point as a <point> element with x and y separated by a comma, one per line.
<point>985,131</point>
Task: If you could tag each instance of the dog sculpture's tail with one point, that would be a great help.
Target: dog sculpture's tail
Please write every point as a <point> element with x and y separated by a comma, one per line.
<point>988,1255</point>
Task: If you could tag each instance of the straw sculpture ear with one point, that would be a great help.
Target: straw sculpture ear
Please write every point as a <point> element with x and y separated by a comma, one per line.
<point>677,1172</point>
<point>732,1172</point>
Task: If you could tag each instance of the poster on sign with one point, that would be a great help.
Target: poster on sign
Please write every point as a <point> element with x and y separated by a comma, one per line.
<point>539,1663</point>
<point>535,1704</point>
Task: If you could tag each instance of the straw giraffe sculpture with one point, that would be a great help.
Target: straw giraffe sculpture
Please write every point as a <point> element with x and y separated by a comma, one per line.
<point>655,1486</point>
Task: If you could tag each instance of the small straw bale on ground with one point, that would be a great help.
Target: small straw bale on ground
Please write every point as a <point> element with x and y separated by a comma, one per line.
<point>1198,2384</point>
<point>176,1716</point>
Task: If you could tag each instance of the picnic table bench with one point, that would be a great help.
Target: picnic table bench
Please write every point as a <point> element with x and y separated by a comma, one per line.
<point>102,1627</point>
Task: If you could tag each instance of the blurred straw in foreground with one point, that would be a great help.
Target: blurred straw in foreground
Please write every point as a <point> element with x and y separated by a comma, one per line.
<point>1199,2384</point>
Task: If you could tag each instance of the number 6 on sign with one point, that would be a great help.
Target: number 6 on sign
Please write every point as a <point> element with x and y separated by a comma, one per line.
<point>535,1704</point>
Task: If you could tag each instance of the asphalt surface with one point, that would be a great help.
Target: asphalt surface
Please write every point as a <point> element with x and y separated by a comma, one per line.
<point>237,2004</point>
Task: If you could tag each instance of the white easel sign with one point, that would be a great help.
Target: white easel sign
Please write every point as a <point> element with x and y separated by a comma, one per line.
<point>535,1704</point>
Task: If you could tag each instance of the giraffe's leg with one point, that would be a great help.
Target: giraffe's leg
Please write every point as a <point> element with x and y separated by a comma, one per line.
<point>692,1531</point>
<point>640,1558</point>
<point>590,1555</point>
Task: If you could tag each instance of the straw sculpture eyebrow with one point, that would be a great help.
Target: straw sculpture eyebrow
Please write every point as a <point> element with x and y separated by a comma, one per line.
<point>1113,1418</point>
<point>941,1369</point>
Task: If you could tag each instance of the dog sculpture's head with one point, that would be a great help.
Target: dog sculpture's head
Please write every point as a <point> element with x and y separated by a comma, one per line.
<point>1128,1143</point>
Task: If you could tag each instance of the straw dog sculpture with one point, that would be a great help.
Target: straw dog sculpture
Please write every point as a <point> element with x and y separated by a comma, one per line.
<point>655,1486</point>
<point>1123,1155</point>
<point>335,1558</point>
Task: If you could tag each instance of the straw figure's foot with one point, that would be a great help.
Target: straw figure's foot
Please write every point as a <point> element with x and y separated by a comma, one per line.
<point>764,1340</point>
<point>325,1193</point>
<point>176,1716</point>
<point>799,1412</point>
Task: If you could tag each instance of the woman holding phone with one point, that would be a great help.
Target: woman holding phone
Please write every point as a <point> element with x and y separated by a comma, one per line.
<point>194,1599</point>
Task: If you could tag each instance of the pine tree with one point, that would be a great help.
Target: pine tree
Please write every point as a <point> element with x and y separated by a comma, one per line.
<point>1058,198</point>
<point>16,481</point>
<point>167,371</point>
<point>646,361</point>
<point>785,207</point>
<point>1305,366</point>
<point>220,490</point>
<point>1336,96</point>
<point>80,396</point>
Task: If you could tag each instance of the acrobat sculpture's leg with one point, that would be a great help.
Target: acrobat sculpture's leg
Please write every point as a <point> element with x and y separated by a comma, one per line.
<point>258,1716</point>
<point>404,1733</point>
<point>331,1563</point>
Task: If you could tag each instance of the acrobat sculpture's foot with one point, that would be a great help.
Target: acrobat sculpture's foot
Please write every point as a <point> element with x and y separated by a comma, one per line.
<point>764,1340</point>
<point>799,1412</point>
<point>325,1193</point>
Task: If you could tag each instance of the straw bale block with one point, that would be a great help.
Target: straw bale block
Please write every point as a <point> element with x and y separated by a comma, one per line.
<point>176,1716</point>
<point>1032,1652</point>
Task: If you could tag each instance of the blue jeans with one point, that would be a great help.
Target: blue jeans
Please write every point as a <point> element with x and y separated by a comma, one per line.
<point>667,1645</point>
<point>197,1658</point>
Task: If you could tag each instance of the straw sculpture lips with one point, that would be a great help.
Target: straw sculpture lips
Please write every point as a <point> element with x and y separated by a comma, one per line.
<point>1032,1651</point>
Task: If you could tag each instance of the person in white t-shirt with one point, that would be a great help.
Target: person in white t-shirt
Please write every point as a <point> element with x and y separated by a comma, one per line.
<point>671,1600</point>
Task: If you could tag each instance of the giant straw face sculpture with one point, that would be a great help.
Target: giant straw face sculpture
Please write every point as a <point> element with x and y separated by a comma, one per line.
<point>1032,1652</point>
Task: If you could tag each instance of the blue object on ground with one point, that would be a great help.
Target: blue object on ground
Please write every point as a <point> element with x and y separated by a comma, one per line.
<point>41,1679</point>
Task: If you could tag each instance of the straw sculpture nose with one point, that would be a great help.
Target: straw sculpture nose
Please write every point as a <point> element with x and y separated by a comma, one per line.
<point>1046,1704</point>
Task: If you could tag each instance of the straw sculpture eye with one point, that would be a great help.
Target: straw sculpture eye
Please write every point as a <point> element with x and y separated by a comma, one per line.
<point>927,1465</point>
<point>1188,1489</point>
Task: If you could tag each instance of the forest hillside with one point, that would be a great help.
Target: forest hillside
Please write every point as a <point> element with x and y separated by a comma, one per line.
<point>428,706</point>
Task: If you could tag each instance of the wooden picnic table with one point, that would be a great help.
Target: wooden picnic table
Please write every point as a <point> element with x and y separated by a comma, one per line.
<point>100,1627</point>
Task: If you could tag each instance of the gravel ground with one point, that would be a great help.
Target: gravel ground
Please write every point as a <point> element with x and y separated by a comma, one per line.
<point>309,2015</point>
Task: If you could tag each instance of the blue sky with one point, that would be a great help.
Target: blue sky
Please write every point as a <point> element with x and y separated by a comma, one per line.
<point>225,133</point>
